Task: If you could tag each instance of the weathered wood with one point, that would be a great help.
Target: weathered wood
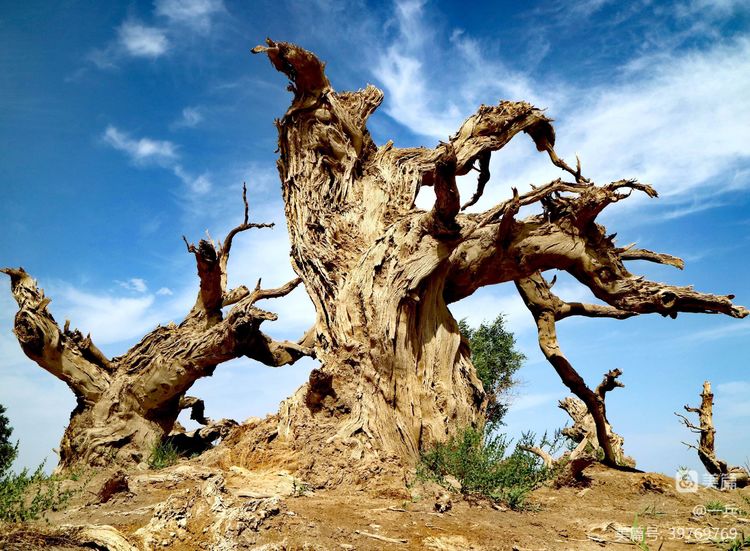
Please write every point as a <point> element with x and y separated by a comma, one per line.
<point>394,376</point>
<point>707,440</point>
<point>128,403</point>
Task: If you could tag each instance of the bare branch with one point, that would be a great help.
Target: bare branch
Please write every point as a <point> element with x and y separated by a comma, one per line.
<point>610,382</point>
<point>74,360</point>
<point>628,253</point>
<point>548,460</point>
<point>484,177</point>
<point>246,225</point>
<point>261,294</point>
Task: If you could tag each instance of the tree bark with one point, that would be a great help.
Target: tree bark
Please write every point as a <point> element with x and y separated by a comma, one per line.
<point>394,376</point>
<point>128,403</point>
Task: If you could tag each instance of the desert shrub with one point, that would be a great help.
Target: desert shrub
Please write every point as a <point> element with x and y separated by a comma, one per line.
<point>494,355</point>
<point>163,454</point>
<point>26,495</point>
<point>478,460</point>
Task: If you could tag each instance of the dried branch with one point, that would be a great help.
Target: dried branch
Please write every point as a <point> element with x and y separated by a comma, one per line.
<point>610,382</point>
<point>76,361</point>
<point>628,253</point>
<point>447,199</point>
<point>546,308</point>
<point>548,460</point>
<point>246,225</point>
<point>482,179</point>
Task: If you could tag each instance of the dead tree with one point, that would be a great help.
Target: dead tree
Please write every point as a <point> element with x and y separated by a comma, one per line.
<point>706,441</point>
<point>394,376</point>
<point>126,404</point>
<point>583,432</point>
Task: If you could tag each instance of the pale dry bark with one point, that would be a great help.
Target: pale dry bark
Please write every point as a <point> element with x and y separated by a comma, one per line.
<point>394,376</point>
<point>707,439</point>
<point>126,404</point>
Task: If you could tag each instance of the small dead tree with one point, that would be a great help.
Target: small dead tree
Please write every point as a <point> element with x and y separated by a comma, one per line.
<point>583,432</point>
<point>127,403</point>
<point>706,441</point>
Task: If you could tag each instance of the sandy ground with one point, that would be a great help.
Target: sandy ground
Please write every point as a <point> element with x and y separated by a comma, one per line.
<point>187,507</point>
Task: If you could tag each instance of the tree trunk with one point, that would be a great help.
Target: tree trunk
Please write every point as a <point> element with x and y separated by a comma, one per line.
<point>127,404</point>
<point>394,375</point>
<point>725,474</point>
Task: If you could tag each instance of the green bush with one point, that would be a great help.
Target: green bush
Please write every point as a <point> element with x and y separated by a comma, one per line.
<point>496,360</point>
<point>163,454</point>
<point>478,461</point>
<point>27,495</point>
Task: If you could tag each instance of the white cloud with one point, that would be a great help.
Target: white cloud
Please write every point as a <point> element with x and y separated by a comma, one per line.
<point>668,118</point>
<point>141,41</point>
<point>189,118</point>
<point>434,103</point>
<point>134,284</point>
<point>672,123</point>
<point>195,14</point>
<point>143,150</point>
<point>165,291</point>
<point>197,184</point>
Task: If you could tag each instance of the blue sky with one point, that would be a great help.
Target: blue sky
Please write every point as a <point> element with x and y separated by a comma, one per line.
<point>126,125</point>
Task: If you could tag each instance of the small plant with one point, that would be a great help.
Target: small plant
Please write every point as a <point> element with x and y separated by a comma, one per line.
<point>715,507</point>
<point>741,542</point>
<point>163,454</point>
<point>478,461</point>
<point>652,511</point>
<point>300,488</point>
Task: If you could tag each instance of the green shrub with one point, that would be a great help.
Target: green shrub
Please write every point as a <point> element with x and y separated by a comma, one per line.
<point>478,461</point>
<point>163,454</point>
<point>27,495</point>
<point>496,360</point>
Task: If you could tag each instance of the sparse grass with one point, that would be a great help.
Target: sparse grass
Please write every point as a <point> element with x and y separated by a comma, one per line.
<point>741,542</point>
<point>652,511</point>
<point>163,454</point>
<point>479,463</point>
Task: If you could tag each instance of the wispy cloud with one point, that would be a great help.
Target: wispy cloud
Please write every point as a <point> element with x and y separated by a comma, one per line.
<point>148,151</point>
<point>140,40</point>
<point>433,84</point>
<point>142,150</point>
<point>134,284</point>
<point>196,14</point>
<point>657,118</point>
<point>177,20</point>
<point>189,118</point>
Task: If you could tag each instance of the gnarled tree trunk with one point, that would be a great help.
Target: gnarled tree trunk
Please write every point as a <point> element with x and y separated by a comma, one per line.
<point>394,376</point>
<point>126,404</point>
